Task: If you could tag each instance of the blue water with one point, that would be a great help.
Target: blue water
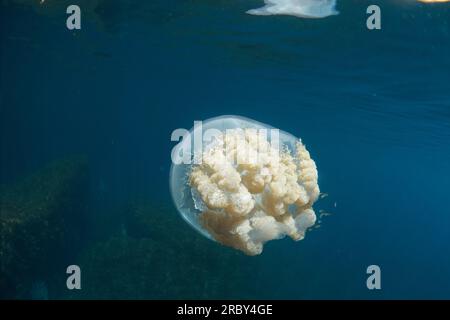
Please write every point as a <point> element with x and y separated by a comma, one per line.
<point>373,108</point>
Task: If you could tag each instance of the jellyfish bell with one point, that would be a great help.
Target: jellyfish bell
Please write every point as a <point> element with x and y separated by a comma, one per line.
<point>242,182</point>
<point>185,154</point>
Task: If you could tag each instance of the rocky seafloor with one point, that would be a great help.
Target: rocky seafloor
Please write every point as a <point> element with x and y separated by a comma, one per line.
<point>147,251</point>
<point>42,222</point>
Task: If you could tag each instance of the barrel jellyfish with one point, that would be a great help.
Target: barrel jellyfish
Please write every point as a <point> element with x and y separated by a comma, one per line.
<point>298,8</point>
<point>243,183</point>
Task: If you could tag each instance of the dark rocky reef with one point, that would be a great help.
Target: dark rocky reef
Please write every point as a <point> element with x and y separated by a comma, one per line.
<point>158,256</point>
<point>42,221</point>
<point>145,252</point>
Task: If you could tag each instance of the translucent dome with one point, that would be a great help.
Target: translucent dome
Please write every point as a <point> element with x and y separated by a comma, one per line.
<point>194,203</point>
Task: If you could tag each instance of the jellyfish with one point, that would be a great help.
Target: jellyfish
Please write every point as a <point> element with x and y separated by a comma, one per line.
<point>298,8</point>
<point>243,183</point>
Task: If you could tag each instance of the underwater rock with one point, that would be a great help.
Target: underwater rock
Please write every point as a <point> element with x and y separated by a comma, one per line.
<point>160,257</point>
<point>160,223</point>
<point>41,224</point>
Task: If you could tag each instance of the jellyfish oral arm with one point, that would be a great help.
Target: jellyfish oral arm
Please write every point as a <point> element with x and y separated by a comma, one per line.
<point>249,204</point>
